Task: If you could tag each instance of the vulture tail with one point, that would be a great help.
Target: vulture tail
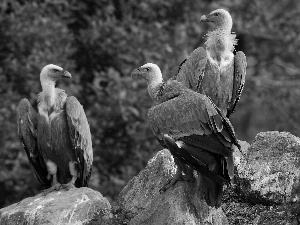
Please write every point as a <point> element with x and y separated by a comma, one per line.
<point>210,190</point>
<point>210,183</point>
<point>183,155</point>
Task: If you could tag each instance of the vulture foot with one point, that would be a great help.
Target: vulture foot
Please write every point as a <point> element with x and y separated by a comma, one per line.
<point>172,182</point>
<point>55,187</point>
<point>68,186</point>
<point>188,179</point>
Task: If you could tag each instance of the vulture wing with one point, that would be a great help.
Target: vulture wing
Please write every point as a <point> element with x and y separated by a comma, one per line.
<point>191,71</point>
<point>80,135</point>
<point>206,138</point>
<point>192,115</point>
<point>27,128</point>
<point>240,65</point>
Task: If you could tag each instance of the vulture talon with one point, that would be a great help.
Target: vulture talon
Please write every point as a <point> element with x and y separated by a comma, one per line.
<point>189,179</point>
<point>172,182</point>
<point>169,184</point>
<point>68,186</point>
<point>55,187</point>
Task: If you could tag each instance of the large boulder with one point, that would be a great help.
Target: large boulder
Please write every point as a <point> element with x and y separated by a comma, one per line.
<point>76,206</point>
<point>271,168</point>
<point>142,202</point>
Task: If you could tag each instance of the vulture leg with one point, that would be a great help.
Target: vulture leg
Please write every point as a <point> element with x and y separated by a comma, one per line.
<point>200,184</point>
<point>230,167</point>
<point>74,173</point>
<point>188,172</point>
<point>173,148</point>
<point>177,177</point>
<point>52,171</point>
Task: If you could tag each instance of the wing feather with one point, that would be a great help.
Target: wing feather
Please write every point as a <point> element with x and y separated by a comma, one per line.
<point>27,128</point>
<point>184,155</point>
<point>194,119</point>
<point>192,69</point>
<point>240,65</point>
<point>80,135</point>
<point>179,116</point>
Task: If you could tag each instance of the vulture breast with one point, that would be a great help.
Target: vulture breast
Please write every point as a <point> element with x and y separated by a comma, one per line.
<point>218,84</point>
<point>54,144</point>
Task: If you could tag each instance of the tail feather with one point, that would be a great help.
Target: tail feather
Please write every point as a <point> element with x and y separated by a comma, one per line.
<point>183,155</point>
<point>210,190</point>
<point>210,182</point>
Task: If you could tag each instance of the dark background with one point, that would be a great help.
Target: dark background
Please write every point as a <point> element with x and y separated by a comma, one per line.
<point>100,42</point>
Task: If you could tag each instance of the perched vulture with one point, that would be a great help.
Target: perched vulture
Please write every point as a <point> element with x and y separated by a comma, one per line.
<point>57,139</point>
<point>194,130</point>
<point>215,71</point>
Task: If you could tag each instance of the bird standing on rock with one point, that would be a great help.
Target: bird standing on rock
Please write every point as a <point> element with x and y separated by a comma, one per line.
<point>214,70</point>
<point>194,130</point>
<point>57,139</point>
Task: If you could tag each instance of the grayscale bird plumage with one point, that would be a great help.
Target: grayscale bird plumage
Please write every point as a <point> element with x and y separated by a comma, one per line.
<point>57,139</point>
<point>194,130</point>
<point>214,70</point>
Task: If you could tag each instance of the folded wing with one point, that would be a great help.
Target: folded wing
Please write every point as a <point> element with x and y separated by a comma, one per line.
<point>240,65</point>
<point>27,128</point>
<point>80,135</point>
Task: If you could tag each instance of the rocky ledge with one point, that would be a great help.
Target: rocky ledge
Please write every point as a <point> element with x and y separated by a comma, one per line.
<point>267,191</point>
<point>76,206</point>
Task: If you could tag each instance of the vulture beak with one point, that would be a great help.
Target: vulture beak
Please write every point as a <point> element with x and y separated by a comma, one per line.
<point>204,18</point>
<point>136,73</point>
<point>66,74</point>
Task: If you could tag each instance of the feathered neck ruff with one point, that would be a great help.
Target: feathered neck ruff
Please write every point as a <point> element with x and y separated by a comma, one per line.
<point>221,36</point>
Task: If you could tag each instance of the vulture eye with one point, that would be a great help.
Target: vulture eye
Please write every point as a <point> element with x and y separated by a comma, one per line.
<point>217,14</point>
<point>55,70</point>
<point>147,69</point>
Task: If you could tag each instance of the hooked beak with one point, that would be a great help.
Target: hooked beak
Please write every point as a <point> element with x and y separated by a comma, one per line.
<point>136,73</point>
<point>66,74</point>
<point>204,18</point>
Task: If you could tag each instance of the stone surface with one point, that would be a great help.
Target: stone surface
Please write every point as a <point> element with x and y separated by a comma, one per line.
<point>143,204</point>
<point>143,188</point>
<point>76,206</point>
<point>272,167</point>
<point>240,156</point>
<point>269,168</point>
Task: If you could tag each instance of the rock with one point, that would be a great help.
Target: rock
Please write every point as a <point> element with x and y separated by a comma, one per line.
<point>243,213</point>
<point>272,168</point>
<point>143,188</point>
<point>76,206</point>
<point>239,156</point>
<point>143,204</point>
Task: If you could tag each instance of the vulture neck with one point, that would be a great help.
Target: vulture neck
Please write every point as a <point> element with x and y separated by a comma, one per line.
<point>225,27</point>
<point>220,44</point>
<point>154,83</point>
<point>49,93</point>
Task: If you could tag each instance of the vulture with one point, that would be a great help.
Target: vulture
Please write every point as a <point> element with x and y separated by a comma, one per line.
<point>57,139</point>
<point>215,71</point>
<point>195,131</point>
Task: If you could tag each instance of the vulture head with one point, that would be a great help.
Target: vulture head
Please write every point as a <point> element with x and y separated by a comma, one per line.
<point>51,73</point>
<point>150,72</point>
<point>220,17</point>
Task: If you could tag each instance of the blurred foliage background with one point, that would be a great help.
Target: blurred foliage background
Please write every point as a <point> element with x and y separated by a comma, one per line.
<point>101,41</point>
